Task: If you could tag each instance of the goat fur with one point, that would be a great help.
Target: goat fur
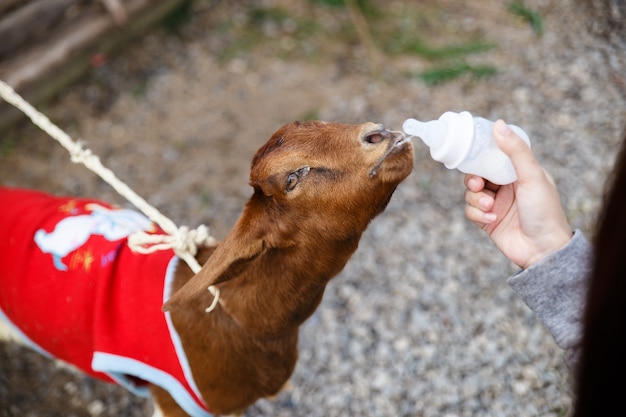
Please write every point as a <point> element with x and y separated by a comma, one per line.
<point>317,185</point>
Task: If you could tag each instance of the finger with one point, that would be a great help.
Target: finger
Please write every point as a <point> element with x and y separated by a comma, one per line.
<point>520,153</point>
<point>479,217</point>
<point>483,201</point>
<point>474,182</point>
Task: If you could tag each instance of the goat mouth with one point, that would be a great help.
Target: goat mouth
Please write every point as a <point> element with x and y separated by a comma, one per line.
<point>397,142</point>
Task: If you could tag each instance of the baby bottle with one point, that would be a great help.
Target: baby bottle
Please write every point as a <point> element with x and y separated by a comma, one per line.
<point>466,143</point>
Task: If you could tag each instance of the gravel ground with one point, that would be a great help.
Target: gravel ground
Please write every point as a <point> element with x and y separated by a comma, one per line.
<point>421,322</point>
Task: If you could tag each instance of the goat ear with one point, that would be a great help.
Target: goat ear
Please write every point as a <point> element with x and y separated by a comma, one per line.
<point>242,245</point>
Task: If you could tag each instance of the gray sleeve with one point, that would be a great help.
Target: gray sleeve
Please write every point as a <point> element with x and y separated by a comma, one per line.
<point>555,290</point>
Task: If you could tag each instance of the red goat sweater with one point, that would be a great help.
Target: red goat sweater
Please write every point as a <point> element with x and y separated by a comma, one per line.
<point>73,290</point>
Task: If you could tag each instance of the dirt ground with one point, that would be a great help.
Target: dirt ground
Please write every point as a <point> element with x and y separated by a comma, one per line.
<point>179,113</point>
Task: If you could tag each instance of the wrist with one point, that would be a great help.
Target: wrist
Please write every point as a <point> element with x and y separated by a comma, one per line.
<point>556,243</point>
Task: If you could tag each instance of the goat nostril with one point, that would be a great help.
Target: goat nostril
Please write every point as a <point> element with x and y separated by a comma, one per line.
<point>375,137</point>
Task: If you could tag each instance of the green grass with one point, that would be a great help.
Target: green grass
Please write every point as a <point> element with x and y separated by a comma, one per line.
<point>179,16</point>
<point>445,73</point>
<point>326,30</point>
<point>206,198</point>
<point>413,35</point>
<point>7,144</point>
<point>367,7</point>
<point>310,115</point>
<point>418,47</point>
<point>531,16</point>
<point>244,38</point>
<point>260,15</point>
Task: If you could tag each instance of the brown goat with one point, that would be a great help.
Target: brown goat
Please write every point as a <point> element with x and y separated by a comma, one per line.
<point>316,187</point>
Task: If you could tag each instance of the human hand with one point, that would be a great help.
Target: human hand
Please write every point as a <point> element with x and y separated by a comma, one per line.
<point>524,219</point>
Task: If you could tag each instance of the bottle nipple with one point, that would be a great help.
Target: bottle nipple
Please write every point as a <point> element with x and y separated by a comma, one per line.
<point>432,133</point>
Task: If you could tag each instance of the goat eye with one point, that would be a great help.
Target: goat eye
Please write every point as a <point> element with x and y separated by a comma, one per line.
<point>294,178</point>
<point>292,181</point>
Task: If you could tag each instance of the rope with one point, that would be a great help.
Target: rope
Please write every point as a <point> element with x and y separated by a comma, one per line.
<point>182,241</point>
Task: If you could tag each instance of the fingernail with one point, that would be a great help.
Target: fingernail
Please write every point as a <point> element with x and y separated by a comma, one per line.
<point>490,217</point>
<point>485,203</point>
<point>503,128</point>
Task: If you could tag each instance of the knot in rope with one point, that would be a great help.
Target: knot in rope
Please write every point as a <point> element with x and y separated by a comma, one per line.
<point>182,241</point>
<point>79,154</point>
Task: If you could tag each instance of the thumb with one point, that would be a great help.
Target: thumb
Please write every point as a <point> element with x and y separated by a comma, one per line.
<point>515,148</point>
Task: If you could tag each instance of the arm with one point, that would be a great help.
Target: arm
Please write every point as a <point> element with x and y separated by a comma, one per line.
<point>526,222</point>
<point>555,290</point>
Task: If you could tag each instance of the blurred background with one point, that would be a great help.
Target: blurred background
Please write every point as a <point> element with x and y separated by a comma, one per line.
<point>176,96</point>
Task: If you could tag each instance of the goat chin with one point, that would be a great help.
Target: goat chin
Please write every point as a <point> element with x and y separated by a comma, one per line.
<point>316,187</point>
